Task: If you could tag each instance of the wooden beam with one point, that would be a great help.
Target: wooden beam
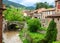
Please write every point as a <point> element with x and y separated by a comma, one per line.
<point>1,21</point>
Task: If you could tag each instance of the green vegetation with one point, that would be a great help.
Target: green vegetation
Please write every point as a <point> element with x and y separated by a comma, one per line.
<point>43,5</point>
<point>34,25</point>
<point>27,18</point>
<point>35,37</point>
<point>32,36</point>
<point>13,14</point>
<point>56,42</point>
<point>32,33</point>
<point>51,34</point>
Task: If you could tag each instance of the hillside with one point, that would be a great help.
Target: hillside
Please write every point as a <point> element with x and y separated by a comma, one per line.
<point>17,5</point>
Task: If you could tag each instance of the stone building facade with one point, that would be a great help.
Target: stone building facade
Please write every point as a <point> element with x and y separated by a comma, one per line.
<point>56,17</point>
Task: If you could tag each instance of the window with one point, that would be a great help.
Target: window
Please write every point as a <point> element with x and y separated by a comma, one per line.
<point>59,2</point>
<point>59,5</point>
<point>48,13</point>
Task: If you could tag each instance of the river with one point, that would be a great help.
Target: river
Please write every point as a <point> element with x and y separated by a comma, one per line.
<point>11,37</point>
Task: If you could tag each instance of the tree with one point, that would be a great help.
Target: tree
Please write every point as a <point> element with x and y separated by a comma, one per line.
<point>34,25</point>
<point>43,5</point>
<point>13,14</point>
<point>51,34</point>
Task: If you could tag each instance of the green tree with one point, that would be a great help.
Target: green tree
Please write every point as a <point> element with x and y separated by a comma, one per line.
<point>51,34</point>
<point>34,25</point>
<point>13,14</point>
<point>43,5</point>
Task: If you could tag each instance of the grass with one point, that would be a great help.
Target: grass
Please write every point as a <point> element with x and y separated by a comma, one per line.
<point>33,35</point>
<point>36,36</point>
<point>57,42</point>
<point>43,28</point>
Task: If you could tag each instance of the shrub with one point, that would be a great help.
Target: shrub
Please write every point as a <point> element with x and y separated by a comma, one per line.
<point>42,41</point>
<point>13,14</point>
<point>27,18</point>
<point>34,25</point>
<point>26,41</point>
<point>51,32</point>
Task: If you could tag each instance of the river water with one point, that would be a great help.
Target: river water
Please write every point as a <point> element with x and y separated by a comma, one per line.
<point>11,37</point>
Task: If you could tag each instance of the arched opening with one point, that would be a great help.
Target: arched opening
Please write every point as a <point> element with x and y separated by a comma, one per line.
<point>13,27</point>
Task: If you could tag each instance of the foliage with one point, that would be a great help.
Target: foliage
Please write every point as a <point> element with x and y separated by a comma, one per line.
<point>22,36</point>
<point>51,34</point>
<point>27,18</point>
<point>43,28</point>
<point>56,42</point>
<point>43,5</point>
<point>35,37</point>
<point>13,14</point>
<point>33,25</point>
<point>26,41</point>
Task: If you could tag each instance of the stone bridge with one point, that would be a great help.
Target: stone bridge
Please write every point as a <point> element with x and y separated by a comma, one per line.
<point>8,23</point>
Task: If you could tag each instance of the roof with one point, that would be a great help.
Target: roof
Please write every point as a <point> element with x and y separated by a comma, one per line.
<point>57,0</point>
<point>26,11</point>
<point>36,15</point>
<point>43,10</point>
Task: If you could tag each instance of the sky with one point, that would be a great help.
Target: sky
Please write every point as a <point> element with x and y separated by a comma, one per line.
<point>32,2</point>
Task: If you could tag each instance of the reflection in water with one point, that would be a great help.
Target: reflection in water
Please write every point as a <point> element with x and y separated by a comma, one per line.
<point>11,37</point>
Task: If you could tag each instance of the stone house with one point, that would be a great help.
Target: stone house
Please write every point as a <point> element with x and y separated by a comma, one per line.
<point>42,13</point>
<point>27,13</point>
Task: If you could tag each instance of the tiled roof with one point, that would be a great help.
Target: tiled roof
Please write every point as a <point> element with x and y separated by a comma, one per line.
<point>43,10</point>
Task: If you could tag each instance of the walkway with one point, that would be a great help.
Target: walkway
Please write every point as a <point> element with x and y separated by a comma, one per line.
<point>11,37</point>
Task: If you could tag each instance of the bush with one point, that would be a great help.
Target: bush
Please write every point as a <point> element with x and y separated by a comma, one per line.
<point>43,41</point>
<point>13,14</point>
<point>51,34</point>
<point>27,18</point>
<point>34,25</point>
<point>26,41</point>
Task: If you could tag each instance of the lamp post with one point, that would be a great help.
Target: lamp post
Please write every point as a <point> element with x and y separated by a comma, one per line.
<point>1,19</point>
